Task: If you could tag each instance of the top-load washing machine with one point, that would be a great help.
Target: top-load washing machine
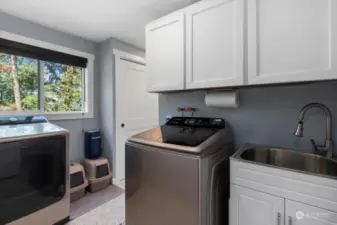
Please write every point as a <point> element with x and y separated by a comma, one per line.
<point>178,173</point>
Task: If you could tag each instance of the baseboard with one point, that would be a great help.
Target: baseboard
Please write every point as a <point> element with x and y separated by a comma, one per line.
<point>119,183</point>
<point>116,181</point>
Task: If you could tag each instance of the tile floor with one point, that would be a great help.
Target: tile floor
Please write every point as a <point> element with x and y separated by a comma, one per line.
<point>92,200</point>
<point>110,213</point>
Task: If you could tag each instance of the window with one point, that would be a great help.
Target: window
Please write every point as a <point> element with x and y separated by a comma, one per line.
<point>35,80</point>
<point>63,88</point>
<point>19,84</point>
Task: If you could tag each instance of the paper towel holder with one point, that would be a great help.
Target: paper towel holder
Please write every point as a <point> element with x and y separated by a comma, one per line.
<point>224,98</point>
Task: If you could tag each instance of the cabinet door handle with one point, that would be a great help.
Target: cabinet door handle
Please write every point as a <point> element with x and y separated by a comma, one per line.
<point>290,220</point>
<point>278,218</point>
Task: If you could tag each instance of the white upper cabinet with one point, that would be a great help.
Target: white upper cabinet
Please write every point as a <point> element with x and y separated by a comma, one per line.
<point>301,214</point>
<point>291,40</point>
<point>165,52</point>
<point>223,43</point>
<point>214,44</point>
<point>248,207</point>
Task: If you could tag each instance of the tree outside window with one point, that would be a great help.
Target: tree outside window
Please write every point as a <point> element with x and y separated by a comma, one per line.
<point>20,85</point>
<point>62,88</point>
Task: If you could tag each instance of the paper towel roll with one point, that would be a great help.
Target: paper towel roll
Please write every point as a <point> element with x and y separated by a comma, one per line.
<point>226,99</point>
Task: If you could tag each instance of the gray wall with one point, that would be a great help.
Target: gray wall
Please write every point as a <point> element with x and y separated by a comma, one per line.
<point>267,115</point>
<point>107,68</point>
<point>18,26</point>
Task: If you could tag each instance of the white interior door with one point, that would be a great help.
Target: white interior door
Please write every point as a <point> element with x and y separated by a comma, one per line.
<point>136,109</point>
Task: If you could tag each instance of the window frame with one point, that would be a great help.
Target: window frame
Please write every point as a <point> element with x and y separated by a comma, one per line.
<point>88,78</point>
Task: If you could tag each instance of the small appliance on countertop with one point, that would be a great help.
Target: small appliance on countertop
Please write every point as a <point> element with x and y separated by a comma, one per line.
<point>34,171</point>
<point>178,173</point>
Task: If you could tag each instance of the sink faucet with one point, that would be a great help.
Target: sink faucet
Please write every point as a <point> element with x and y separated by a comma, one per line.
<point>328,148</point>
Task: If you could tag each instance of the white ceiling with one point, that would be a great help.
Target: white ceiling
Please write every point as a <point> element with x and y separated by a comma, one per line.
<point>95,20</point>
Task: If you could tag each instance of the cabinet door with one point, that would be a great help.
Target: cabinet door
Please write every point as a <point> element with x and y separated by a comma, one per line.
<point>165,52</point>
<point>248,207</point>
<point>214,44</point>
<point>291,40</point>
<point>301,214</point>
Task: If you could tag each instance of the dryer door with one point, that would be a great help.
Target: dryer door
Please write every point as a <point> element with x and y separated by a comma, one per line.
<point>32,176</point>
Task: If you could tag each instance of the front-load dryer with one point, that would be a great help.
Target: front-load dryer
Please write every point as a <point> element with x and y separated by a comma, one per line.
<point>34,172</point>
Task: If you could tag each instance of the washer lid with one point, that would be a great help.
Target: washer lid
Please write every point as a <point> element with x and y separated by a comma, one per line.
<point>181,133</point>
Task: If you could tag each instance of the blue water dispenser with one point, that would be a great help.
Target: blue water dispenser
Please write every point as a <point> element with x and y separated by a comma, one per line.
<point>93,147</point>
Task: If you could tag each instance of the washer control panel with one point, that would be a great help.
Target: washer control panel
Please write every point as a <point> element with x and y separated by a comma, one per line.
<point>197,122</point>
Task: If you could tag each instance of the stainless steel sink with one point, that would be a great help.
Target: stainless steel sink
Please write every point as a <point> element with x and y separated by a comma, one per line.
<point>290,159</point>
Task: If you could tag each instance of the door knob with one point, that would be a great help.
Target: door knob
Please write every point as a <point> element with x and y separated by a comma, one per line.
<point>122,125</point>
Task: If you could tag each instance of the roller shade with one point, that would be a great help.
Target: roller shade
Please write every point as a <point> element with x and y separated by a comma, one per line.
<point>30,51</point>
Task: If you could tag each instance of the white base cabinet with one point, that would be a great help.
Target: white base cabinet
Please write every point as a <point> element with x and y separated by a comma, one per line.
<point>301,214</point>
<point>261,195</point>
<point>248,207</point>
